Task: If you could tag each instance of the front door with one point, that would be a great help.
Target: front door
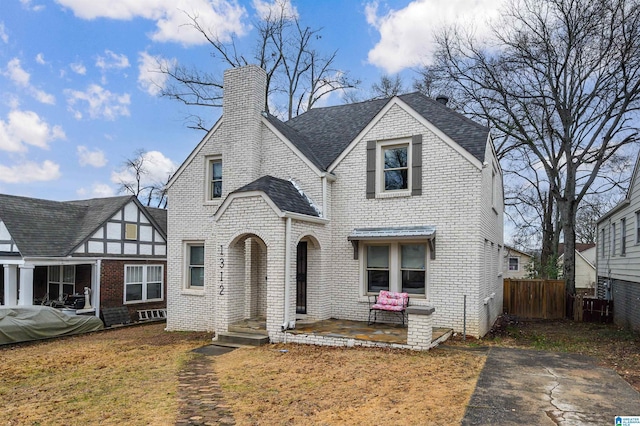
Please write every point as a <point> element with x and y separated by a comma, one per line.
<point>301,278</point>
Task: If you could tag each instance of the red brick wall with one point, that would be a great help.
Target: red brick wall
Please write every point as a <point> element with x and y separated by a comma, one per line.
<point>112,286</point>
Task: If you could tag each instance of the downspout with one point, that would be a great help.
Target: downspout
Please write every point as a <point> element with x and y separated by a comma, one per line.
<point>287,275</point>
<point>324,196</point>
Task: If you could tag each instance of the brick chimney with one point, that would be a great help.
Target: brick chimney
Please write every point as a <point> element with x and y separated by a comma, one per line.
<point>242,105</point>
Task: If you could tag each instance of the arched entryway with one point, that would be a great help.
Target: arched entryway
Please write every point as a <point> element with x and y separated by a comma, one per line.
<point>308,278</point>
<point>247,280</point>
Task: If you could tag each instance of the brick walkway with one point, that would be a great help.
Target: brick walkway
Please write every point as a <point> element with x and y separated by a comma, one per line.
<point>199,395</point>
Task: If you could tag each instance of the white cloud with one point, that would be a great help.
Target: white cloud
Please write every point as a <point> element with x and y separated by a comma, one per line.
<point>224,17</point>
<point>30,171</point>
<point>157,167</point>
<point>112,61</point>
<point>150,78</point>
<point>3,33</point>
<point>91,158</point>
<point>20,77</point>
<point>27,5</point>
<point>101,103</point>
<point>98,190</point>
<point>274,9</point>
<point>17,74</point>
<point>407,35</point>
<point>78,68</point>
<point>40,59</point>
<point>24,128</point>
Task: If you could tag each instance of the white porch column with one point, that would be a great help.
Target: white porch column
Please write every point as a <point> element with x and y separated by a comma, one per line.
<point>95,285</point>
<point>26,285</point>
<point>10,285</point>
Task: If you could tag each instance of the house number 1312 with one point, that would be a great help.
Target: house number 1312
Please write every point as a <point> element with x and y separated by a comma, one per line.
<point>221,272</point>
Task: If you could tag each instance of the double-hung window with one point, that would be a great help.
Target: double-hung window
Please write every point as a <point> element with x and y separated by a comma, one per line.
<point>514,264</point>
<point>143,283</point>
<point>637,227</point>
<point>61,282</point>
<point>397,267</point>
<point>613,239</point>
<point>194,266</point>
<point>623,236</point>
<point>214,178</point>
<point>394,167</point>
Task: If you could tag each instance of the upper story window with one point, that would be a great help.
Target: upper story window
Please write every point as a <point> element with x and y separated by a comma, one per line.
<point>514,264</point>
<point>613,239</point>
<point>637,227</point>
<point>623,236</point>
<point>131,231</point>
<point>394,167</point>
<point>214,178</point>
<point>602,236</point>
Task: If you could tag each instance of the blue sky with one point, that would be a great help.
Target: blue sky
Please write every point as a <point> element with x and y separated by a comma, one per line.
<point>77,95</point>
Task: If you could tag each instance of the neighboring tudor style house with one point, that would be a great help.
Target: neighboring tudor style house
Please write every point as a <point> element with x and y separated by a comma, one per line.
<point>305,219</point>
<point>52,250</point>
<point>618,256</point>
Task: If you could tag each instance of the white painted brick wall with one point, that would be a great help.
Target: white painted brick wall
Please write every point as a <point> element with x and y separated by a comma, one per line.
<point>454,200</point>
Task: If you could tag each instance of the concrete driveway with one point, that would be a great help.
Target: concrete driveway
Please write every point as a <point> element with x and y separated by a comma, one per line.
<point>525,387</point>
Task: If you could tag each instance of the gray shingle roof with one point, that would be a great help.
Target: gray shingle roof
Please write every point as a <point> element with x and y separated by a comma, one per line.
<point>283,193</point>
<point>54,228</point>
<point>322,134</point>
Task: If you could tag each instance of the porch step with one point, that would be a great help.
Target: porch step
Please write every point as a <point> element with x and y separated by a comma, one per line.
<point>248,339</point>
<point>244,329</point>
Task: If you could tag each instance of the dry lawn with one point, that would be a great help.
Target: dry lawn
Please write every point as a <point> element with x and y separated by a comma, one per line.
<point>304,385</point>
<point>125,376</point>
<point>130,376</point>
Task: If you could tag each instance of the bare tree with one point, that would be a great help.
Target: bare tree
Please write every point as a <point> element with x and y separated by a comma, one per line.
<point>387,87</point>
<point>562,80</point>
<point>137,178</point>
<point>284,49</point>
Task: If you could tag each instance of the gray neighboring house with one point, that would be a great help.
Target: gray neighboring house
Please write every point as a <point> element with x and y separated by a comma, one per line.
<point>51,251</point>
<point>618,256</point>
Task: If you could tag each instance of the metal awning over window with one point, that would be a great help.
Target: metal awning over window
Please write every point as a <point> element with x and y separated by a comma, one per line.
<point>394,234</point>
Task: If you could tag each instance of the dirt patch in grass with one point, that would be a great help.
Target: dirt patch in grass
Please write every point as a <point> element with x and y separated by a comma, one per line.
<point>299,384</point>
<point>124,376</point>
<point>612,346</point>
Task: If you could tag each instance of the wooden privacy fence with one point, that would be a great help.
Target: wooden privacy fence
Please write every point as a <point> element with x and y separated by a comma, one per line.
<point>589,309</point>
<point>544,299</point>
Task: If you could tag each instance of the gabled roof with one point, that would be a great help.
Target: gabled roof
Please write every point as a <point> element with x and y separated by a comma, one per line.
<point>283,193</point>
<point>326,132</point>
<point>54,228</point>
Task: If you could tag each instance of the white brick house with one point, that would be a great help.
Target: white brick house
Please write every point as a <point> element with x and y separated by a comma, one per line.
<point>305,219</point>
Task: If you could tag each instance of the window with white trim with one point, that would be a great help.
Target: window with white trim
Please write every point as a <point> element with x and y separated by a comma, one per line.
<point>61,281</point>
<point>214,178</point>
<point>638,227</point>
<point>623,236</point>
<point>143,283</point>
<point>394,167</point>
<point>394,171</point>
<point>602,241</point>
<point>194,273</point>
<point>399,267</point>
<point>514,264</point>
<point>613,239</point>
